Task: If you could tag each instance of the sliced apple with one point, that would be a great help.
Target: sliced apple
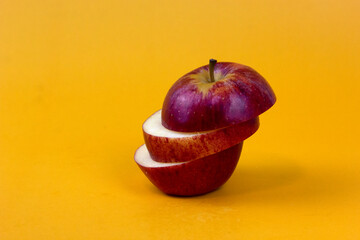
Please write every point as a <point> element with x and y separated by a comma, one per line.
<point>165,145</point>
<point>193,177</point>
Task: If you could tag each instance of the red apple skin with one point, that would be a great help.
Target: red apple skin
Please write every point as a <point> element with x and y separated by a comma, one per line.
<point>238,94</point>
<point>195,177</point>
<point>163,149</point>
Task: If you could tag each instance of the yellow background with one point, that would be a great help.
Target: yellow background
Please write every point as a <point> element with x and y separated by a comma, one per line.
<point>78,78</point>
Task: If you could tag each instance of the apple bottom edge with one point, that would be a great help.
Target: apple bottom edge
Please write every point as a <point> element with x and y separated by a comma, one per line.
<point>196,177</point>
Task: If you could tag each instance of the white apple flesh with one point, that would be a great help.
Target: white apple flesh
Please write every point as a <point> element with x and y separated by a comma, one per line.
<point>165,145</point>
<point>193,177</point>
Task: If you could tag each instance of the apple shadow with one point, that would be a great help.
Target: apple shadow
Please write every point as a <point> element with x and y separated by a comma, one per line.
<point>253,178</point>
<point>279,180</point>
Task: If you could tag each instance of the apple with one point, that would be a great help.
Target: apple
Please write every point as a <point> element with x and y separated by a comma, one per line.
<point>193,177</point>
<point>216,96</point>
<point>193,144</point>
<point>165,145</point>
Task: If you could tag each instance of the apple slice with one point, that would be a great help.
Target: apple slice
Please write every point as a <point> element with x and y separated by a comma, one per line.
<point>166,145</point>
<point>193,177</point>
<point>215,96</point>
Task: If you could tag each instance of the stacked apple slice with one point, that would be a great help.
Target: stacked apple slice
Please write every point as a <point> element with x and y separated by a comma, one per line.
<point>193,144</point>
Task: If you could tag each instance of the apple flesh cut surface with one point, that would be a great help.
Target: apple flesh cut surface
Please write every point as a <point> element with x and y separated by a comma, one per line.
<point>227,94</point>
<point>165,145</point>
<point>193,177</point>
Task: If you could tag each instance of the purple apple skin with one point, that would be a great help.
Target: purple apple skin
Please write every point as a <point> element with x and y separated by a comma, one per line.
<point>194,103</point>
<point>195,177</point>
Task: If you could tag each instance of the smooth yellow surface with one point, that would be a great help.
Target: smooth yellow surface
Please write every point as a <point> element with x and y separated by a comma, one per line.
<point>78,78</point>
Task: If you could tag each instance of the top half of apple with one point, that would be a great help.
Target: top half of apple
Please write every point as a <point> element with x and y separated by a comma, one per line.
<point>216,96</point>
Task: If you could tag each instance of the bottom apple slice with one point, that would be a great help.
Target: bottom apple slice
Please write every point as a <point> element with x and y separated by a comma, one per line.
<point>190,178</point>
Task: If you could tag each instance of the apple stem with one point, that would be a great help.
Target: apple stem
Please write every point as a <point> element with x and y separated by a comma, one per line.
<point>212,63</point>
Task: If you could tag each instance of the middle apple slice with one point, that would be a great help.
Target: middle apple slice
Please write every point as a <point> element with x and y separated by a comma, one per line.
<point>165,145</point>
